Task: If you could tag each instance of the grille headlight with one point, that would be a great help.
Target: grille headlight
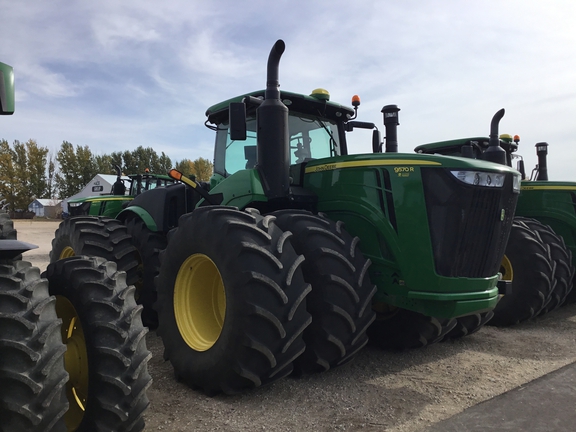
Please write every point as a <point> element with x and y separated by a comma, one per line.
<point>516,183</point>
<point>75,204</point>
<point>480,178</point>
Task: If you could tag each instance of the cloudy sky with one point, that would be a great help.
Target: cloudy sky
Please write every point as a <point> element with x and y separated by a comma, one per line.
<point>114,75</point>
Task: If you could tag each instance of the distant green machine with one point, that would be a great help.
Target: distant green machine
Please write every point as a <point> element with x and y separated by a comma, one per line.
<point>123,191</point>
<point>270,268</point>
<point>61,336</point>
<point>92,226</point>
<point>539,259</point>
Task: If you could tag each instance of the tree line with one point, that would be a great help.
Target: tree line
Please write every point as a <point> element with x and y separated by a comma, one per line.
<point>29,171</point>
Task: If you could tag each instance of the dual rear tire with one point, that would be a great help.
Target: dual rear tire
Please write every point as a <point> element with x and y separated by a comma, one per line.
<point>231,301</point>
<point>245,299</point>
<point>539,267</point>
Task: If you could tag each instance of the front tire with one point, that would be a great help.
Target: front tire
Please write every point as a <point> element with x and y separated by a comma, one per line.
<point>341,297</point>
<point>106,346</point>
<point>231,300</point>
<point>468,325</point>
<point>401,329</point>
<point>148,244</point>
<point>32,374</point>
<point>99,237</point>
<point>562,257</point>
<point>529,266</point>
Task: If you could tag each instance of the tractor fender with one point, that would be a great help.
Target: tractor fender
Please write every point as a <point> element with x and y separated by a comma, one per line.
<point>161,208</point>
<point>141,213</point>
<point>11,248</point>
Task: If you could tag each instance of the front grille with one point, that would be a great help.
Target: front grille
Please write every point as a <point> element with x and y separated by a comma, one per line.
<point>81,210</point>
<point>466,227</point>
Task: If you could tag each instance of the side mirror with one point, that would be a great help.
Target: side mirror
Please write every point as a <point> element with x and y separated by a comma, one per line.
<point>6,89</point>
<point>376,141</point>
<point>521,168</point>
<point>237,118</point>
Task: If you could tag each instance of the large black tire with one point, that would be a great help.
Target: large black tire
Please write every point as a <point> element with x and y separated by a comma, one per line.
<point>401,329</point>
<point>7,230</point>
<point>149,244</point>
<point>32,374</point>
<point>341,299</point>
<point>231,300</point>
<point>469,324</point>
<point>107,356</point>
<point>528,264</point>
<point>96,236</point>
<point>562,256</point>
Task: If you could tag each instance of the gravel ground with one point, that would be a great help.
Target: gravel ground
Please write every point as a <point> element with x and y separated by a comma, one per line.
<point>379,390</point>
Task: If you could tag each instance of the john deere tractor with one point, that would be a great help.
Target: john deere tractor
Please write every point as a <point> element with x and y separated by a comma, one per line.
<point>92,228</point>
<point>296,249</point>
<point>553,204</point>
<point>123,191</point>
<point>539,259</point>
<point>73,354</point>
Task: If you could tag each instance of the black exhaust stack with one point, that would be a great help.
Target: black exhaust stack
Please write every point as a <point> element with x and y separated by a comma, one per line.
<point>495,153</point>
<point>542,152</point>
<point>273,136</point>
<point>390,113</point>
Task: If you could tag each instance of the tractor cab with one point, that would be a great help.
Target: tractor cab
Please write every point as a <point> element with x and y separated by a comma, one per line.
<point>476,148</point>
<point>315,128</point>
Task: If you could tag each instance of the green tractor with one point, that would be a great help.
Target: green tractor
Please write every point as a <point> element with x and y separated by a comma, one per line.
<point>73,354</point>
<point>92,227</point>
<point>296,249</point>
<point>123,191</point>
<point>539,259</point>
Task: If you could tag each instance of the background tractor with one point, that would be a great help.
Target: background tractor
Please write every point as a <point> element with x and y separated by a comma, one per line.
<point>123,191</point>
<point>93,230</point>
<point>270,268</point>
<point>539,258</point>
<point>73,354</point>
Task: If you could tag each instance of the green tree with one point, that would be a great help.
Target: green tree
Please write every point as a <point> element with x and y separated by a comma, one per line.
<point>141,158</point>
<point>37,165</point>
<point>103,164</point>
<point>8,181</point>
<point>50,186</point>
<point>202,169</point>
<point>130,165</point>
<point>116,159</point>
<point>77,168</point>
<point>164,164</point>
<point>185,167</point>
<point>22,173</point>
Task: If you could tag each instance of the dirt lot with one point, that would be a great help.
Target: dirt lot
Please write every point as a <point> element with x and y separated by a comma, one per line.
<point>391,391</point>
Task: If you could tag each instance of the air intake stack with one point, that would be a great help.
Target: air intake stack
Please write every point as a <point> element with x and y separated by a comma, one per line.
<point>542,152</point>
<point>390,113</point>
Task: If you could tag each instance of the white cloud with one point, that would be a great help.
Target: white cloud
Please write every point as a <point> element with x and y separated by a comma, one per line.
<point>146,71</point>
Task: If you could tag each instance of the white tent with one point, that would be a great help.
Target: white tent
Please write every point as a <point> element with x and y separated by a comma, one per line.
<point>101,184</point>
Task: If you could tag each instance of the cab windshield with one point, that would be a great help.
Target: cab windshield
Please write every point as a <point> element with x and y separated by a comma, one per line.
<point>311,137</point>
<point>147,183</point>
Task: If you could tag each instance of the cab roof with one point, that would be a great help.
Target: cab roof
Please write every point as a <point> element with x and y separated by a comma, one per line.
<point>298,102</point>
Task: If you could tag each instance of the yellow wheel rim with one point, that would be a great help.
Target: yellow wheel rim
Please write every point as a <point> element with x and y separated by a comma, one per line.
<point>67,252</point>
<point>199,302</point>
<point>506,269</point>
<point>75,362</point>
